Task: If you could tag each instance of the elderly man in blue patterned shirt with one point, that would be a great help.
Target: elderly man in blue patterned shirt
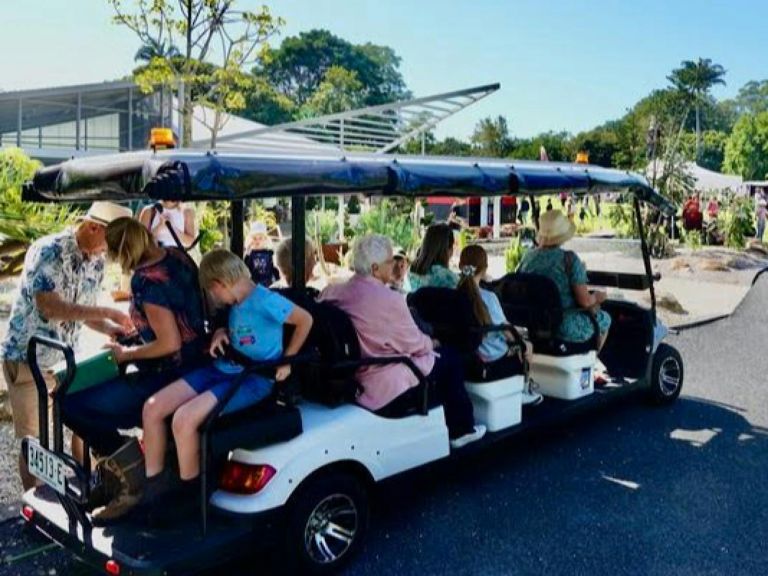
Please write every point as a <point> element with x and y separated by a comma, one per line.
<point>57,293</point>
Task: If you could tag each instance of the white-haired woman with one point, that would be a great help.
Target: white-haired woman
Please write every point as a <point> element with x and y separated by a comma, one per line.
<point>385,327</point>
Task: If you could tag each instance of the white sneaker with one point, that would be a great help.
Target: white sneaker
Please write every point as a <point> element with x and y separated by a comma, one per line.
<point>462,441</point>
<point>532,398</point>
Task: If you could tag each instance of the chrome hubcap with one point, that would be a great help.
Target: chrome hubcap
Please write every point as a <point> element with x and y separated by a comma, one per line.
<point>669,376</point>
<point>331,529</point>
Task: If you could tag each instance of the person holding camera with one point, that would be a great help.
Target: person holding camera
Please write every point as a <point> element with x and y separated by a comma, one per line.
<point>181,218</point>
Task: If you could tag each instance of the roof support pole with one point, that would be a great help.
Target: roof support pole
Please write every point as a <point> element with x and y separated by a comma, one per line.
<point>78,118</point>
<point>496,217</point>
<point>646,255</point>
<point>130,118</point>
<point>236,216</point>
<point>298,235</point>
<point>19,124</point>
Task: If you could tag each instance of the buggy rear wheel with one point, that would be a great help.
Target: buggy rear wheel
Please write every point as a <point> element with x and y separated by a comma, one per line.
<point>666,375</point>
<point>327,522</point>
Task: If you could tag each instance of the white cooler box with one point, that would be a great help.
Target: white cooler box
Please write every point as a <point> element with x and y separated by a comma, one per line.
<point>564,377</point>
<point>498,404</point>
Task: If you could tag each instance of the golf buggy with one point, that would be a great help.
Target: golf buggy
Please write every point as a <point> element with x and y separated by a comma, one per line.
<point>299,473</point>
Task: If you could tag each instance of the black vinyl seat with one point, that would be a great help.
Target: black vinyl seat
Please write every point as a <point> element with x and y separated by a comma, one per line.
<point>453,323</point>
<point>533,301</point>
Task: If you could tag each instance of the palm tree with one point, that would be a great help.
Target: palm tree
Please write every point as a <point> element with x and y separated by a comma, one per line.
<point>696,79</point>
<point>156,49</point>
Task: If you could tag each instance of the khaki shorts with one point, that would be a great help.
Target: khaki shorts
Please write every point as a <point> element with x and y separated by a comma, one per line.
<point>23,396</point>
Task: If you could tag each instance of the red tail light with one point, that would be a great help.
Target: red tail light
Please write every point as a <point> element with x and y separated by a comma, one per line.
<point>28,513</point>
<point>240,478</point>
<point>112,567</point>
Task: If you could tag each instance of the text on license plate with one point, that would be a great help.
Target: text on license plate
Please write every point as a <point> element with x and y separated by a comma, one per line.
<point>46,466</point>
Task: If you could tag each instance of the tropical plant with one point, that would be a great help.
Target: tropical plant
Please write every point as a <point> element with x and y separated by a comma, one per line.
<point>21,223</point>
<point>322,226</point>
<point>738,223</point>
<point>514,253</point>
<point>696,79</point>
<point>622,219</point>
<point>692,239</point>
<point>213,217</point>
<point>385,219</point>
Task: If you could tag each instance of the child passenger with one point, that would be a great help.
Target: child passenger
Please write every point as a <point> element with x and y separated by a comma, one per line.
<point>497,348</point>
<point>259,255</point>
<point>256,320</point>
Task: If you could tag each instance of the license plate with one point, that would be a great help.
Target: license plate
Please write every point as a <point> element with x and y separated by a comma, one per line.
<point>46,466</point>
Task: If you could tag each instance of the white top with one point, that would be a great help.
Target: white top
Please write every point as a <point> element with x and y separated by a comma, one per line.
<point>176,218</point>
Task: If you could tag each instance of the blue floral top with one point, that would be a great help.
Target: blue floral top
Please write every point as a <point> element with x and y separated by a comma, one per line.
<point>550,262</point>
<point>53,263</point>
<point>438,277</point>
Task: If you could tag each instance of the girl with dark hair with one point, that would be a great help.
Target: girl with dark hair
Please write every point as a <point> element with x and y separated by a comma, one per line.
<point>431,265</point>
<point>498,349</point>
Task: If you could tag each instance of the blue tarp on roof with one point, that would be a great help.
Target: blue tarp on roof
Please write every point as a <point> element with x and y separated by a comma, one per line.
<point>195,175</point>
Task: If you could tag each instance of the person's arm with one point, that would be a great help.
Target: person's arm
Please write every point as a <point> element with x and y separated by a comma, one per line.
<point>586,299</point>
<point>167,337</point>
<point>109,327</point>
<point>301,320</point>
<point>144,217</point>
<point>188,235</point>
<point>53,307</point>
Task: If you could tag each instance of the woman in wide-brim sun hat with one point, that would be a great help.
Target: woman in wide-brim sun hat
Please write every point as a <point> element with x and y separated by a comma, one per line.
<point>569,274</point>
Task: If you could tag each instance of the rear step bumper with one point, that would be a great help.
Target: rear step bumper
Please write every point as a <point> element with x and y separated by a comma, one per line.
<point>178,549</point>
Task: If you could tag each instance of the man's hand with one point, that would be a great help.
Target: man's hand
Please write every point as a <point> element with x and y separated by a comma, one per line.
<point>121,319</point>
<point>282,372</point>
<point>219,340</point>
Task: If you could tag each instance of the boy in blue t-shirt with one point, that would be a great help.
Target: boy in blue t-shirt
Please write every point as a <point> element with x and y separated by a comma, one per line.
<point>256,320</point>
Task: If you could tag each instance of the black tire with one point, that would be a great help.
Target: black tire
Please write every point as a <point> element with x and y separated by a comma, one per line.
<point>312,545</point>
<point>666,375</point>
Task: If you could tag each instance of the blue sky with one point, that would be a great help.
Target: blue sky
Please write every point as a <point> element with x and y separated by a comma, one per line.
<point>562,64</point>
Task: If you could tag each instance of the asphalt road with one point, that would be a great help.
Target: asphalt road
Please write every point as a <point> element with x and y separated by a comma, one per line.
<point>631,490</point>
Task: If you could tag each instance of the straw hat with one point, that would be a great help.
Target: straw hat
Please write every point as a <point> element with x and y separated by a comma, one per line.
<point>555,228</point>
<point>105,212</point>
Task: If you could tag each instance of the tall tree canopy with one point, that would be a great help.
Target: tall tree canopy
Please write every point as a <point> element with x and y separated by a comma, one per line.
<point>746,152</point>
<point>696,79</point>
<point>314,61</point>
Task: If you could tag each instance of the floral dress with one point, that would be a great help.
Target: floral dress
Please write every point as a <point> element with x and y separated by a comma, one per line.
<point>550,262</point>
<point>438,277</point>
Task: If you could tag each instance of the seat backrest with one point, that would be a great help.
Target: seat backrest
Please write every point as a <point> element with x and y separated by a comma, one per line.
<point>449,313</point>
<point>532,301</point>
<point>333,339</point>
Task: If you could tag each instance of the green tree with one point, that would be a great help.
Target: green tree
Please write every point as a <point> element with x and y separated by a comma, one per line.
<point>491,137</point>
<point>155,48</point>
<point>209,32</point>
<point>299,67</point>
<point>746,152</point>
<point>557,144</point>
<point>340,90</point>
<point>696,79</point>
<point>752,97</point>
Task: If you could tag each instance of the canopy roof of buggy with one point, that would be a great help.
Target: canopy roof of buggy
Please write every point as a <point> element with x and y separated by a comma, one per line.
<point>195,175</point>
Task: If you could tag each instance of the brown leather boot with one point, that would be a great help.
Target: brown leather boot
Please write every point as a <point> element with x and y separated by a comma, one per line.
<point>126,465</point>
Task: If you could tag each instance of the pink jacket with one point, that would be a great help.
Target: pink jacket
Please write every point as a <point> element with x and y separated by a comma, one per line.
<point>384,327</point>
